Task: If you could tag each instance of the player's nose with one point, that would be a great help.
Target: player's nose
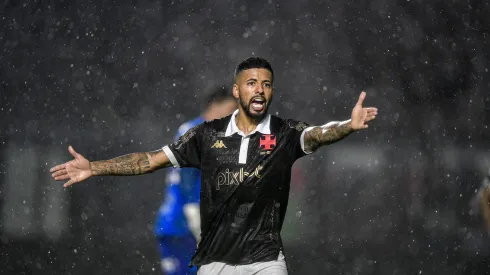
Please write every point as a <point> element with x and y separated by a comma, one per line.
<point>259,90</point>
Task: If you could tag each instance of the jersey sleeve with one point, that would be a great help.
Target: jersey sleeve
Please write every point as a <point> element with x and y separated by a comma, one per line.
<point>186,151</point>
<point>296,131</point>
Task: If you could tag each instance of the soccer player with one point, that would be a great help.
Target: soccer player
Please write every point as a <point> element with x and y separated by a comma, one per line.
<point>245,161</point>
<point>178,225</point>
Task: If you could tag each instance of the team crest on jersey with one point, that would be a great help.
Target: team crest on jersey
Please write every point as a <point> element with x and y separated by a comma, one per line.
<point>267,143</point>
<point>219,144</point>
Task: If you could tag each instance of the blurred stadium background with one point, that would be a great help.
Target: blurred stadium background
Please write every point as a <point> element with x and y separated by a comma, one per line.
<point>114,77</point>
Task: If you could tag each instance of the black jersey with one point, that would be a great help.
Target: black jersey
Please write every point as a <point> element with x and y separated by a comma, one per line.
<point>244,185</point>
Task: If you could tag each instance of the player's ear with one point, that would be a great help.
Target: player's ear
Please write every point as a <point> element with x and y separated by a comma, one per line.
<point>235,91</point>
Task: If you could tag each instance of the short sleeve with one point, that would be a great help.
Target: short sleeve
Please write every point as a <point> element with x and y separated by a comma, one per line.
<point>186,151</point>
<point>296,131</point>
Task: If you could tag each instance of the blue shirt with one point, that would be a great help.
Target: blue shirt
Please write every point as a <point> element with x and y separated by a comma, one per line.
<point>183,187</point>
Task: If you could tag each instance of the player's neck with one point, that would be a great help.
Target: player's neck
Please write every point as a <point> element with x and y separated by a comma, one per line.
<point>245,123</point>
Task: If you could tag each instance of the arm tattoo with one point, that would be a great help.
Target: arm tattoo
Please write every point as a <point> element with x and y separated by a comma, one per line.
<point>326,134</point>
<point>131,164</point>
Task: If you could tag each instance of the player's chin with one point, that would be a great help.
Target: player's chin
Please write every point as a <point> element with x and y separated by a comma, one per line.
<point>257,113</point>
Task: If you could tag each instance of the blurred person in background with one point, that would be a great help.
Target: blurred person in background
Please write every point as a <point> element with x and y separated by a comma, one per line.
<point>178,224</point>
<point>480,203</point>
<point>245,161</point>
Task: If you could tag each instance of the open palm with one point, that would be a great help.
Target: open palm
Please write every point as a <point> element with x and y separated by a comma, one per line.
<point>74,171</point>
<point>360,115</point>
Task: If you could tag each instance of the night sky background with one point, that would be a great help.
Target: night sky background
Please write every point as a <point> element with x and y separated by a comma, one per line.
<point>114,77</point>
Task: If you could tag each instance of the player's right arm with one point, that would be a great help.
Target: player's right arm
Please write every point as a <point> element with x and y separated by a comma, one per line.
<point>318,136</point>
<point>185,152</point>
<point>80,169</point>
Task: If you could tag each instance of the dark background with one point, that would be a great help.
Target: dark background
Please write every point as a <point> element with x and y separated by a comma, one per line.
<point>114,77</point>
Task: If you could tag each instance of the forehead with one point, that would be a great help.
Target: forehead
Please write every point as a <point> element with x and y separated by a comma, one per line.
<point>260,74</point>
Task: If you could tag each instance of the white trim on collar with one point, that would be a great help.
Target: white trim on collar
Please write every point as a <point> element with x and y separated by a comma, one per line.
<point>263,127</point>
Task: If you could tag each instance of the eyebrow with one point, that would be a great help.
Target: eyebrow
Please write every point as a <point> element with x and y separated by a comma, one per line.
<point>254,79</point>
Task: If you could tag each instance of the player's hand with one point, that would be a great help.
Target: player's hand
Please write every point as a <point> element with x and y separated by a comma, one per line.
<point>361,116</point>
<point>74,171</point>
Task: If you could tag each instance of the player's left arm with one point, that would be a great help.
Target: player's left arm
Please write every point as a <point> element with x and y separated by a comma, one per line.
<point>192,214</point>
<point>190,185</point>
<point>317,136</point>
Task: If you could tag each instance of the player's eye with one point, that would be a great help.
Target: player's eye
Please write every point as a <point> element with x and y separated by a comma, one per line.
<point>267,85</point>
<point>251,83</point>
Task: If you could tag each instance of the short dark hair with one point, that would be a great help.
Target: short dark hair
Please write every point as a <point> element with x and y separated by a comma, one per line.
<point>254,62</point>
<point>217,94</point>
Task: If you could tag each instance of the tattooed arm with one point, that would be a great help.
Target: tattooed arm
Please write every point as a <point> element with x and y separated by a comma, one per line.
<point>80,168</point>
<point>315,137</point>
<point>131,164</point>
<point>331,132</point>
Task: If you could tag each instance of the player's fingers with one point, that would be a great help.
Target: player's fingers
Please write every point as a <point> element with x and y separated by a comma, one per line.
<point>370,114</point>
<point>62,177</point>
<point>68,183</point>
<point>361,98</point>
<point>73,152</point>
<point>59,173</point>
<point>371,110</point>
<point>369,118</point>
<point>57,167</point>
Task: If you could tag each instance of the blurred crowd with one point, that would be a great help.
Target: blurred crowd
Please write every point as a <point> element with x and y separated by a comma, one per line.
<point>116,77</point>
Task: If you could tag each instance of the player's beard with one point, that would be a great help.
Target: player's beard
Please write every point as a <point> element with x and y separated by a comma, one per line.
<point>246,108</point>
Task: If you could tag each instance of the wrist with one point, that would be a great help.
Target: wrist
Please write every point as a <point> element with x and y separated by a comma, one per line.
<point>348,125</point>
<point>91,171</point>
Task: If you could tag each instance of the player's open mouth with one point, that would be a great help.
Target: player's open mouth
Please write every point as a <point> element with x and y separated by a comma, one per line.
<point>258,104</point>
